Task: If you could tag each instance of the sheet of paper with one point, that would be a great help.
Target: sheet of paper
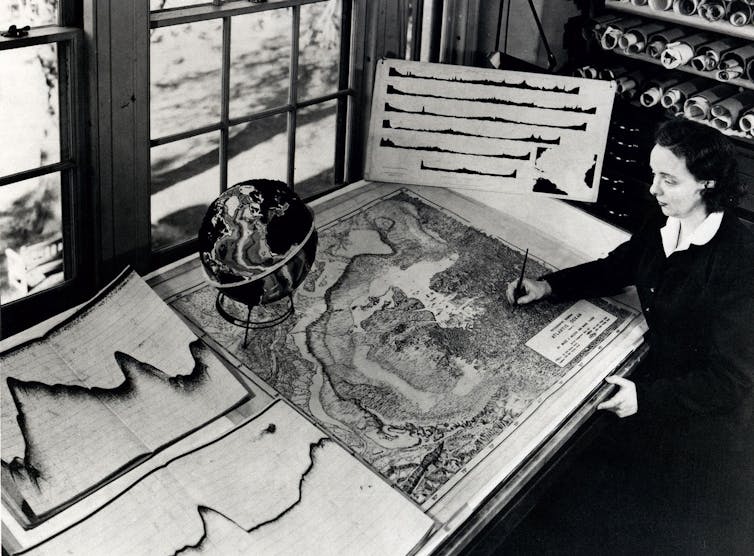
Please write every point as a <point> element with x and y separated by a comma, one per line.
<point>571,333</point>
<point>273,485</point>
<point>487,129</point>
<point>108,387</point>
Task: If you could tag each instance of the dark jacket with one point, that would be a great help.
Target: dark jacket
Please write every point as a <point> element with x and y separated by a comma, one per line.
<point>696,384</point>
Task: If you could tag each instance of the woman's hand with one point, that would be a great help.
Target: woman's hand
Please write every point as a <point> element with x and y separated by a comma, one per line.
<point>533,290</point>
<point>623,403</point>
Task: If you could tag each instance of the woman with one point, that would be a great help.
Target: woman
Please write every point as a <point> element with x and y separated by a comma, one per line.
<point>687,434</point>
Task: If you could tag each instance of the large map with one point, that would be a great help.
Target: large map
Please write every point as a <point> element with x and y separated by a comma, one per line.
<point>402,344</point>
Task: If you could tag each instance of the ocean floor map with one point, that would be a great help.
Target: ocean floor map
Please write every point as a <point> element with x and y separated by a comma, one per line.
<point>402,345</point>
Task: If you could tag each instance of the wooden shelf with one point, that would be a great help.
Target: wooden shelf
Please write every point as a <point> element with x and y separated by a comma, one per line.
<point>722,27</point>
<point>743,83</point>
<point>741,136</point>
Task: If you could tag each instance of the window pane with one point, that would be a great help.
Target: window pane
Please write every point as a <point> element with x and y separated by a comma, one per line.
<point>28,12</point>
<point>31,237</point>
<point>167,4</point>
<point>30,132</point>
<point>319,49</point>
<point>185,180</point>
<point>185,76</point>
<point>260,61</point>
<point>315,149</point>
<point>259,150</point>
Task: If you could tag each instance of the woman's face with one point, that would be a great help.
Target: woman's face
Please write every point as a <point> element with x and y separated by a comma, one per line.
<point>677,192</point>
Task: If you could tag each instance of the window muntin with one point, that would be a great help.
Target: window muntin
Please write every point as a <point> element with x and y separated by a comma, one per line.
<point>258,86</point>
<point>40,164</point>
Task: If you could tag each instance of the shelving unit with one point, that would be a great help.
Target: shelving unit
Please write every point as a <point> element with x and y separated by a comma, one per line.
<point>721,27</point>
<point>742,83</point>
<point>636,179</point>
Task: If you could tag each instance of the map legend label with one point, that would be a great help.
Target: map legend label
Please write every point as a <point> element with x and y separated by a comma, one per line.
<point>570,333</point>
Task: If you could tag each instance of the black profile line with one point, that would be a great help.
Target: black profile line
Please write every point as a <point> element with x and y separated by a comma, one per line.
<point>424,112</point>
<point>424,166</point>
<point>313,448</point>
<point>149,473</point>
<point>18,467</point>
<point>389,143</point>
<point>543,185</point>
<point>392,90</point>
<point>386,124</point>
<point>487,82</point>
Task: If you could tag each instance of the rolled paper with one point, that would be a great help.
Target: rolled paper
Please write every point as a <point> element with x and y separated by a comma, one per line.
<point>656,43</point>
<point>613,32</point>
<point>746,122</point>
<point>635,40</point>
<point>735,62</point>
<point>699,105</point>
<point>628,85</point>
<point>740,12</point>
<point>680,52</point>
<point>612,73</point>
<point>660,5</point>
<point>712,10</point>
<point>655,89</point>
<point>707,56</point>
<point>685,7</point>
<point>676,95</point>
<point>599,24</point>
<point>727,111</point>
<point>730,70</point>
<point>582,72</point>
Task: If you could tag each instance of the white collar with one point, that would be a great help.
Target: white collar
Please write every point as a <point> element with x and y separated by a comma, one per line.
<point>703,233</point>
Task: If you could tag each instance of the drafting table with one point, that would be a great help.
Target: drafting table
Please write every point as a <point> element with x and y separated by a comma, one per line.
<point>576,237</point>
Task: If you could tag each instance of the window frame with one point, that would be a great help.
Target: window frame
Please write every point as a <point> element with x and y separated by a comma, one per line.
<point>78,275</point>
<point>344,96</point>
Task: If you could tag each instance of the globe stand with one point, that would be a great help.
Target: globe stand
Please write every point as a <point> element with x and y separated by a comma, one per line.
<point>267,315</point>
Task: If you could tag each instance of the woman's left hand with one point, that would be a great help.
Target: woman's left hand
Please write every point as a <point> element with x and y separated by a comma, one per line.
<point>623,403</point>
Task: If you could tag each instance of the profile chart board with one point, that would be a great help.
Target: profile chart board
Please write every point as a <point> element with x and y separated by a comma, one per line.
<point>488,129</point>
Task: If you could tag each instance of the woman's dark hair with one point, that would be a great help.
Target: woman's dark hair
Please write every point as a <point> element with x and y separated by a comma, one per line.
<point>709,155</point>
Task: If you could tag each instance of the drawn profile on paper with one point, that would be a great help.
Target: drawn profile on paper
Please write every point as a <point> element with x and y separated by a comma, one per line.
<point>488,129</point>
<point>115,383</point>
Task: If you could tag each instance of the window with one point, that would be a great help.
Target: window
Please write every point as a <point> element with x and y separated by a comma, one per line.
<point>238,91</point>
<point>41,159</point>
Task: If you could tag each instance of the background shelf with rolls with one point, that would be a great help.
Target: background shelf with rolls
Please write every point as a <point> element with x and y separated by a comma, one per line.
<point>666,64</point>
<point>723,26</point>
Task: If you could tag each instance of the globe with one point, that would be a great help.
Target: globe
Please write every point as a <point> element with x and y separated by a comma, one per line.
<point>257,242</point>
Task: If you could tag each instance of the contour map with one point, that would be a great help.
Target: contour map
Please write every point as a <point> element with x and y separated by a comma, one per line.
<point>402,344</point>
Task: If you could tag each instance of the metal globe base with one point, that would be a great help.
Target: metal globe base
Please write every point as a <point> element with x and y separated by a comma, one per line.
<point>266,316</point>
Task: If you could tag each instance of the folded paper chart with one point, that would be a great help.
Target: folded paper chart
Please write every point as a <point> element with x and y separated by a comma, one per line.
<point>274,484</point>
<point>116,382</point>
<point>486,129</point>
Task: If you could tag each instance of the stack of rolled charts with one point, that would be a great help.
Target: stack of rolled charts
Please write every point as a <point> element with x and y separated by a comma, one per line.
<point>721,105</point>
<point>719,97</point>
<point>735,12</point>
<point>725,58</point>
